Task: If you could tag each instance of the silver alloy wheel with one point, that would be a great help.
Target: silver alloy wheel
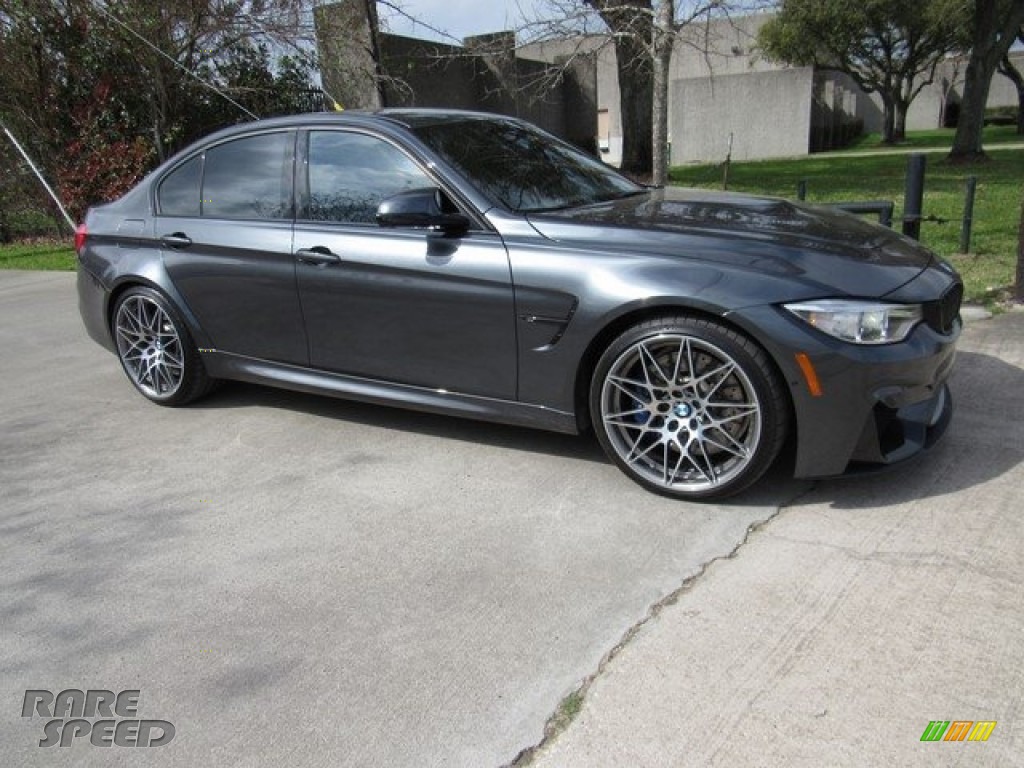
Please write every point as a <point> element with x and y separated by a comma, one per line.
<point>149,346</point>
<point>681,413</point>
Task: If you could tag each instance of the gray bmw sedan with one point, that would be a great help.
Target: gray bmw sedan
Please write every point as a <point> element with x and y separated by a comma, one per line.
<point>473,265</point>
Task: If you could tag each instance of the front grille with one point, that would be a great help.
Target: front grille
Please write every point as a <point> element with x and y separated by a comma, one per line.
<point>941,315</point>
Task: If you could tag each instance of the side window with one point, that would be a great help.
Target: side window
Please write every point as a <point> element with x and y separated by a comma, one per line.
<point>350,173</point>
<point>179,191</point>
<point>249,178</point>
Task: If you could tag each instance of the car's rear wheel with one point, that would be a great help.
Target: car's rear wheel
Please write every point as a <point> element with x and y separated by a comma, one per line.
<point>688,407</point>
<point>156,350</point>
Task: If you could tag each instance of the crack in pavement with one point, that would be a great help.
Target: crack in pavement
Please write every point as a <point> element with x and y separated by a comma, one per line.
<point>572,703</point>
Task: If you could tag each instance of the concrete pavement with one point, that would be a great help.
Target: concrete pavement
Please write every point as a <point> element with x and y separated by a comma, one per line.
<point>296,580</point>
<point>866,609</point>
<point>293,580</point>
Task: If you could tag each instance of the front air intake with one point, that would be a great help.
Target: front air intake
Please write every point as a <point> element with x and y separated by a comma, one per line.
<point>942,315</point>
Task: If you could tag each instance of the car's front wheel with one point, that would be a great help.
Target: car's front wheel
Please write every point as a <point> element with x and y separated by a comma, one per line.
<point>688,407</point>
<point>156,350</point>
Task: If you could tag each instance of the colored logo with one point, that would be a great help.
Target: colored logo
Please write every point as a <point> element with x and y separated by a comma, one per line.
<point>958,730</point>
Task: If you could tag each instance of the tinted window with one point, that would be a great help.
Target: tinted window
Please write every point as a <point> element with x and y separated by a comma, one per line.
<point>179,191</point>
<point>350,173</point>
<point>249,178</point>
<point>520,167</point>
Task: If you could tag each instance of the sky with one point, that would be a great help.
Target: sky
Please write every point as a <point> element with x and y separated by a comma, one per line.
<point>459,18</point>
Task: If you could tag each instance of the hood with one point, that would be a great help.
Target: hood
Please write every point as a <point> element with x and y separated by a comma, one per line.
<point>844,253</point>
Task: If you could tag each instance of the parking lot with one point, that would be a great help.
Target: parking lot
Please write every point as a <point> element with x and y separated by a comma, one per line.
<point>294,580</point>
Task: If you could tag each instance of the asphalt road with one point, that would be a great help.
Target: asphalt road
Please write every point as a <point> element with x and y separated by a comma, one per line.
<point>293,580</point>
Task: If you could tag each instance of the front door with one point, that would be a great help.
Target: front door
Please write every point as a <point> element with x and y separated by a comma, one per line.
<point>402,306</point>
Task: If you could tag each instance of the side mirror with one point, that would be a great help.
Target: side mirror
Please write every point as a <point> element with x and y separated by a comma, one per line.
<point>421,209</point>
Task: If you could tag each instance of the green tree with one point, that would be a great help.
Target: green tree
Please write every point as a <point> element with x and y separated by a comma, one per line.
<point>100,92</point>
<point>994,28</point>
<point>888,47</point>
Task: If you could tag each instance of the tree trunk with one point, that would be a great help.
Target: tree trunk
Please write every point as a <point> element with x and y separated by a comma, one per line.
<point>993,35</point>
<point>1020,109</point>
<point>378,72</point>
<point>631,23</point>
<point>663,40</point>
<point>888,119</point>
<point>1009,71</point>
<point>967,143</point>
<point>637,106</point>
<point>899,120</point>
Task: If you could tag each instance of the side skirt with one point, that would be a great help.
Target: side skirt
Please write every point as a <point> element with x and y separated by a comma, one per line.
<point>223,365</point>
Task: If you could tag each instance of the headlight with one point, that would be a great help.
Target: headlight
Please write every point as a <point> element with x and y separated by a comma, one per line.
<point>859,322</point>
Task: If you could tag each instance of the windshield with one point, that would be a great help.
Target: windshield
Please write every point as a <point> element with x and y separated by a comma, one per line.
<point>520,167</point>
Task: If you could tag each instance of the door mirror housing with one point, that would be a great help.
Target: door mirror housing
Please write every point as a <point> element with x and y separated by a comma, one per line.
<point>422,209</point>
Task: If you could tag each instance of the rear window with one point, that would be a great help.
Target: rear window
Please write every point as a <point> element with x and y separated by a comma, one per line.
<point>179,191</point>
<point>249,178</point>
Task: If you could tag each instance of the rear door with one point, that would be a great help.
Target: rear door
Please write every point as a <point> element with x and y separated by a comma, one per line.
<point>403,306</point>
<point>225,225</point>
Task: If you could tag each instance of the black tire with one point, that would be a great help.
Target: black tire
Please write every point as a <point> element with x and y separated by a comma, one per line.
<point>156,350</point>
<point>688,407</point>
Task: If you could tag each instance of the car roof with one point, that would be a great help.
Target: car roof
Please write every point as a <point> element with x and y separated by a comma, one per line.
<point>406,117</point>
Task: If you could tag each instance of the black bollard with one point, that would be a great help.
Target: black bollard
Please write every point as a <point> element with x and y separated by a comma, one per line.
<point>913,198</point>
<point>965,229</point>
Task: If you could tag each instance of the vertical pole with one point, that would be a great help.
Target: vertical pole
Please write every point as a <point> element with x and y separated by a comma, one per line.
<point>913,198</point>
<point>728,162</point>
<point>965,229</point>
<point>885,216</point>
<point>1019,287</point>
<point>801,189</point>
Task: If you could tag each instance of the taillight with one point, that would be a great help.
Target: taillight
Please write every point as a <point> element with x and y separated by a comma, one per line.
<point>80,234</point>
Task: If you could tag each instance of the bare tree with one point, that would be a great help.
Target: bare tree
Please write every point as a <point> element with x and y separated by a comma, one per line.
<point>645,34</point>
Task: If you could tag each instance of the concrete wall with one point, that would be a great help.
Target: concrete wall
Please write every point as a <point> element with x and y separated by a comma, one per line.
<point>1003,92</point>
<point>927,110</point>
<point>767,113</point>
<point>837,111</point>
<point>485,74</point>
<point>725,47</point>
<point>720,85</point>
<point>597,54</point>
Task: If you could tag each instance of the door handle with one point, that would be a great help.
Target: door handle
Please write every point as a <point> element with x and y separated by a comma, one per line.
<point>176,240</point>
<point>318,255</point>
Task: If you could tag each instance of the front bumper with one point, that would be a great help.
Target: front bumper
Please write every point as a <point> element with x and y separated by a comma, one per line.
<point>892,435</point>
<point>878,406</point>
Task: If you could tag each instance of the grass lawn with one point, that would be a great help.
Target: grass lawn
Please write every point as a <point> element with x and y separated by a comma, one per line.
<point>941,138</point>
<point>988,270</point>
<point>50,255</point>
